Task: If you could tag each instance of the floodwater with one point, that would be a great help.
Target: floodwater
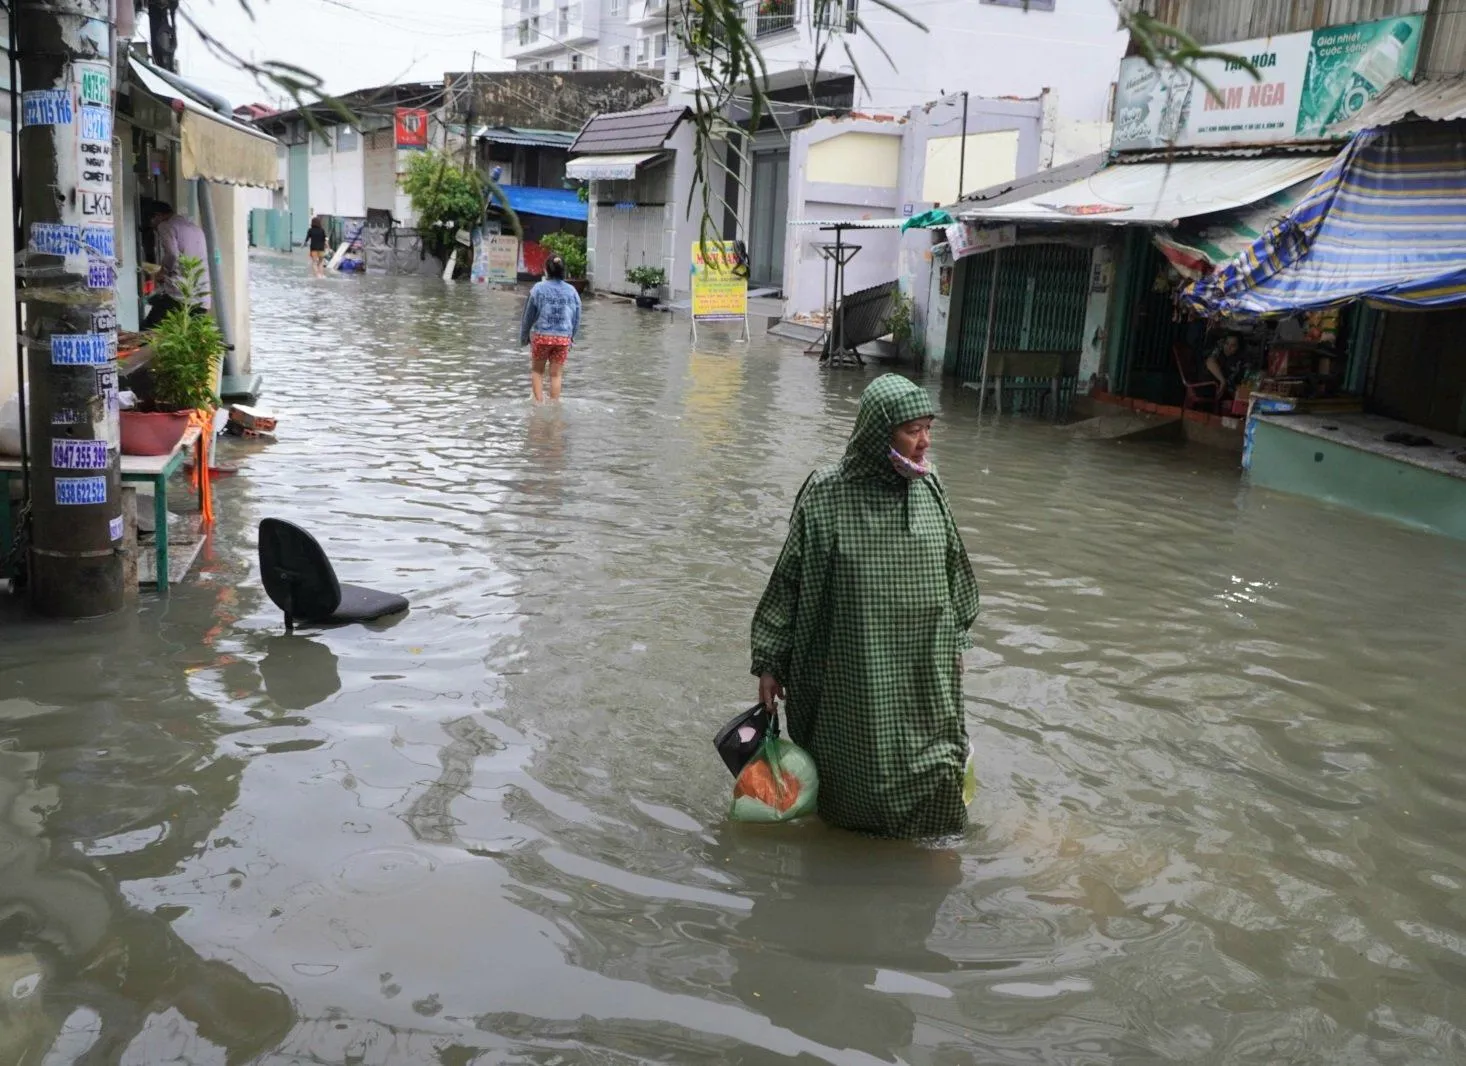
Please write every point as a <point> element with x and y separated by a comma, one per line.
<point>1220,740</point>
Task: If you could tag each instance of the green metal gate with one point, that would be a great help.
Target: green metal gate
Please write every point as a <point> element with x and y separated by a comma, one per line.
<point>1043,291</point>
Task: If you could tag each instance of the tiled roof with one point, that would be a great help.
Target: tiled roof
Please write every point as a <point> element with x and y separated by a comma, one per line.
<point>629,131</point>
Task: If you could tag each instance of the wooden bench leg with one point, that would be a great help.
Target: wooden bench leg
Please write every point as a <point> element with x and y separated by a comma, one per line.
<point>160,530</point>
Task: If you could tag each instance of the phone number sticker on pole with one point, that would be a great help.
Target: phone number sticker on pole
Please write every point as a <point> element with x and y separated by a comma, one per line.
<point>55,238</point>
<point>81,349</point>
<point>80,491</point>
<point>79,455</point>
<point>46,107</point>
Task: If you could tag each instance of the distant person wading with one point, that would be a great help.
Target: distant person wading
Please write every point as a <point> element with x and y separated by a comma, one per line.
<point>315,239</point>
<point>551,319</point>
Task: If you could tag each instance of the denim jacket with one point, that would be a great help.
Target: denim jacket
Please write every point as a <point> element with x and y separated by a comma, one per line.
<point>553,309</point>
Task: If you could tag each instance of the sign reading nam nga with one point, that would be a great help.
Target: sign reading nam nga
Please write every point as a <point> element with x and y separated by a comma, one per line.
<point>1292,87</point>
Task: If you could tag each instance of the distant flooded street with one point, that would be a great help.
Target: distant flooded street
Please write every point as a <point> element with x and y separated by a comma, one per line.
<point>1221,745</point>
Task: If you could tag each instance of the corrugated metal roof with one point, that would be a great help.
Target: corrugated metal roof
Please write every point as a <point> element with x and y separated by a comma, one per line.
<point>1156,193</point>
<point>1008,192</point>
<point>1440,99</point>
<point>629,131</point>
<point>530,138</point>
<point>851,223</point>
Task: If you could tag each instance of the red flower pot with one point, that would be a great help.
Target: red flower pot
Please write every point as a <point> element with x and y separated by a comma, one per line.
<point>152,432</point>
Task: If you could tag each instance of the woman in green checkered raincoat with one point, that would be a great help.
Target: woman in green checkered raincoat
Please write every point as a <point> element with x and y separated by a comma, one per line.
<point>863,624</point>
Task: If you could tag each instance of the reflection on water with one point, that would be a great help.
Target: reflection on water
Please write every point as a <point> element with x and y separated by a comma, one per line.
<point>1218,734</point>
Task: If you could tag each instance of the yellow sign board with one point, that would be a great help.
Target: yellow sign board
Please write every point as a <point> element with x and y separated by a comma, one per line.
<point>719,293</point>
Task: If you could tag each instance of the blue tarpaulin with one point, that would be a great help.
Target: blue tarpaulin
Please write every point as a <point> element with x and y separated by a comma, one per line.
<point>553,203</point>
<point>1385,223</point>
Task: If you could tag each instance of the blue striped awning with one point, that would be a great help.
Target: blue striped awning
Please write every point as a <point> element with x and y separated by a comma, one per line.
<point>1385,223</point>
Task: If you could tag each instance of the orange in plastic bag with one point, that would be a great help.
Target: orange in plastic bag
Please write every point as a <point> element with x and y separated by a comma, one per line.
<point>777,785</point>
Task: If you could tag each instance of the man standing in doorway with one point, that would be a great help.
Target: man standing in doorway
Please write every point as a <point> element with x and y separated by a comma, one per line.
<point>177,236</point>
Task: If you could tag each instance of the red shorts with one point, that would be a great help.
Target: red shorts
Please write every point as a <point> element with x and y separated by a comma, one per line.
<point>548,349</point>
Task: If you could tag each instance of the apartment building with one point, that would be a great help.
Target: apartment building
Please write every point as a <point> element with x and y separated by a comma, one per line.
<point>546,35</point>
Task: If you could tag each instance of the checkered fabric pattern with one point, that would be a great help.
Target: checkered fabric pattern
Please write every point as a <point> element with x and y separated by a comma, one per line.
<point>863,622</point>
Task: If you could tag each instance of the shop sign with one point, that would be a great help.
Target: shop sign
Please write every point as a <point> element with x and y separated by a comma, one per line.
<point>411,127</point>
<point>966,238</point>
<point>719,293</point>
<point>80,491</point>
<point>503,257</point>
<point>1307,83</point>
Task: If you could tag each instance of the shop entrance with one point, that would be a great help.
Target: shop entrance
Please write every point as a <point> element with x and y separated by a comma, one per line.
<point>1043,290</point>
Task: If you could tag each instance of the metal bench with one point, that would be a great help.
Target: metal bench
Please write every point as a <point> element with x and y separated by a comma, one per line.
<point>1033,380</point>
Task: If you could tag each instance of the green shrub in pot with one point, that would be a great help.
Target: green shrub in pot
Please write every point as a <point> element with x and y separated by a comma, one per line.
<point>187,347</point>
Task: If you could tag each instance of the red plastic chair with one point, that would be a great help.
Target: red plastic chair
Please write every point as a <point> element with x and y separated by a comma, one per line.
<point>1206,393</point>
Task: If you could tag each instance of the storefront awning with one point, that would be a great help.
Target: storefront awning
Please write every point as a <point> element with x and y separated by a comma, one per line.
<point>1157,194</point>
<point>609,167</point>
<point>214,147</point>
<point>1197,247</point>
<point>1386,223</point>
<point>551,203</point>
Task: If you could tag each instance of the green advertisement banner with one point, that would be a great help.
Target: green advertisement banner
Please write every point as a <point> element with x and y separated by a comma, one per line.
<point>1306,83</point>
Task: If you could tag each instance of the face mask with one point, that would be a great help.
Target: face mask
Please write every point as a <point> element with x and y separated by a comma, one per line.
<point>906,468</point>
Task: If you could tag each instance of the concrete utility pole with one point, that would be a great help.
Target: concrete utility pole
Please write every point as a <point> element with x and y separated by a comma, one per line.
<point>68,287</point>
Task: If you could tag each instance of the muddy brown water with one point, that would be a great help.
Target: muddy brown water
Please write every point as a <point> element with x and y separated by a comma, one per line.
<point>1221,744</point>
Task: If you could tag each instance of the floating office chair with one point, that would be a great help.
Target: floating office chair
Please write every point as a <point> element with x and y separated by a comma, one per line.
<point>300,581</point>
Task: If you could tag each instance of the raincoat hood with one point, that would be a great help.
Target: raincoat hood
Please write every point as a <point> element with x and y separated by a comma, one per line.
<point>887,402</point>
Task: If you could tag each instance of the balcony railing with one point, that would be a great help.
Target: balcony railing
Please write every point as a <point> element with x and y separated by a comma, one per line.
<point>836,15</point>
<point>771,16</point>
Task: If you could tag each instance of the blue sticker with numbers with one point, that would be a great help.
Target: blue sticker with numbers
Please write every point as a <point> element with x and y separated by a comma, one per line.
<point>46,107</point>
<point>81,349</point>
<point>80,491</point>
<point>79,455</point>
<point>55,238</point>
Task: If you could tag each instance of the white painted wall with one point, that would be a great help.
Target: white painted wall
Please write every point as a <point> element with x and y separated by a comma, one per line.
<point>337,178</point>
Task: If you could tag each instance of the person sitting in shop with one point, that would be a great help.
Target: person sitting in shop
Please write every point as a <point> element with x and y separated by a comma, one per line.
<point>1224,362</point>
<point>176,236</point>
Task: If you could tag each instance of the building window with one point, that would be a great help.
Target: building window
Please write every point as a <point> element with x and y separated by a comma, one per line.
<point>347,139</point>
<point>643,51</point>
<point>564,22</point>
<point>615,7</point>
<point>575,61</point>
<point>661,45</point>
<point>626,55</point>
<point>1027,5</point>
<point>320,145</point>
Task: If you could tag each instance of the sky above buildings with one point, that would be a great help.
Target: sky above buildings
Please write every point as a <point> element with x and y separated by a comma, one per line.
<point>352,44</point>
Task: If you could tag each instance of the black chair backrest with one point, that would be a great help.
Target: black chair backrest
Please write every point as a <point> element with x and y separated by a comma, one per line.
<point>296,573</point>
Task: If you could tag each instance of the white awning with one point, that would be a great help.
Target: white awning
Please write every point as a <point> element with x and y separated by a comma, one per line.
<point>1158,194</point>
<point>608,167</point>
<point>214,147</point>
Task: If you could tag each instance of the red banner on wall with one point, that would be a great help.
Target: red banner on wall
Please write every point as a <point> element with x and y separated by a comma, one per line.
<point>412,128</point>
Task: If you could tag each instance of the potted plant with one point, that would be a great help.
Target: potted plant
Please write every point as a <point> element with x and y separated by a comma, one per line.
<point>187,347</point>
<point>571,248</point>
<point>650,280</point>
<point>899,323</point>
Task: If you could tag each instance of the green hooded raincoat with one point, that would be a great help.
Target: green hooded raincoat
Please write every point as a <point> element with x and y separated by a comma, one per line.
<point>863,623</point>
